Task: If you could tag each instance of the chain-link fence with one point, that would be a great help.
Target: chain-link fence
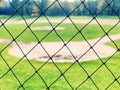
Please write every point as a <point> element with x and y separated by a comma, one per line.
<point>56,48</point>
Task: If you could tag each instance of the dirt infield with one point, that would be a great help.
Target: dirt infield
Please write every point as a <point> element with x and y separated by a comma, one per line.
<point>61,53</point>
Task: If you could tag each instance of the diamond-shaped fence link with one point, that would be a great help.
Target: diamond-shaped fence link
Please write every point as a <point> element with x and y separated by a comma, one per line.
<point>41,51</point>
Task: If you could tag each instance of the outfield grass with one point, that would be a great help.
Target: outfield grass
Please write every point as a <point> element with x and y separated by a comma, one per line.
<point>75,75</point>
<point>17,17</point>
<point>90,32</point>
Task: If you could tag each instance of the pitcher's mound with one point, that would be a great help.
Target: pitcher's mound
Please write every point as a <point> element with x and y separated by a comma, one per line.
<point>47,28</point>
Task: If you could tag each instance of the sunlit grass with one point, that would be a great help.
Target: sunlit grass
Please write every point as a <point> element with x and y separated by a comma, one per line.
<point>22,33</point>
<point>75,17</point>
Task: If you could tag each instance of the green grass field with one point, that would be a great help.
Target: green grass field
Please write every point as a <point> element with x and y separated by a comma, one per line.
<point>75,75</point>
<point>67,34</point>
<point>58,17</point>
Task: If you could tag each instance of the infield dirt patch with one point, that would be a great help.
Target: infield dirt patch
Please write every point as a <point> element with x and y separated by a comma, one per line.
<point>61,52</point>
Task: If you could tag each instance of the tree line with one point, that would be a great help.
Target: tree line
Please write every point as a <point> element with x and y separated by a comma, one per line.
<point>60,8</point>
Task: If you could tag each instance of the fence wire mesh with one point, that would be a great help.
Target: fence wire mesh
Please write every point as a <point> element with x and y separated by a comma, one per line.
<point>69,72</point>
